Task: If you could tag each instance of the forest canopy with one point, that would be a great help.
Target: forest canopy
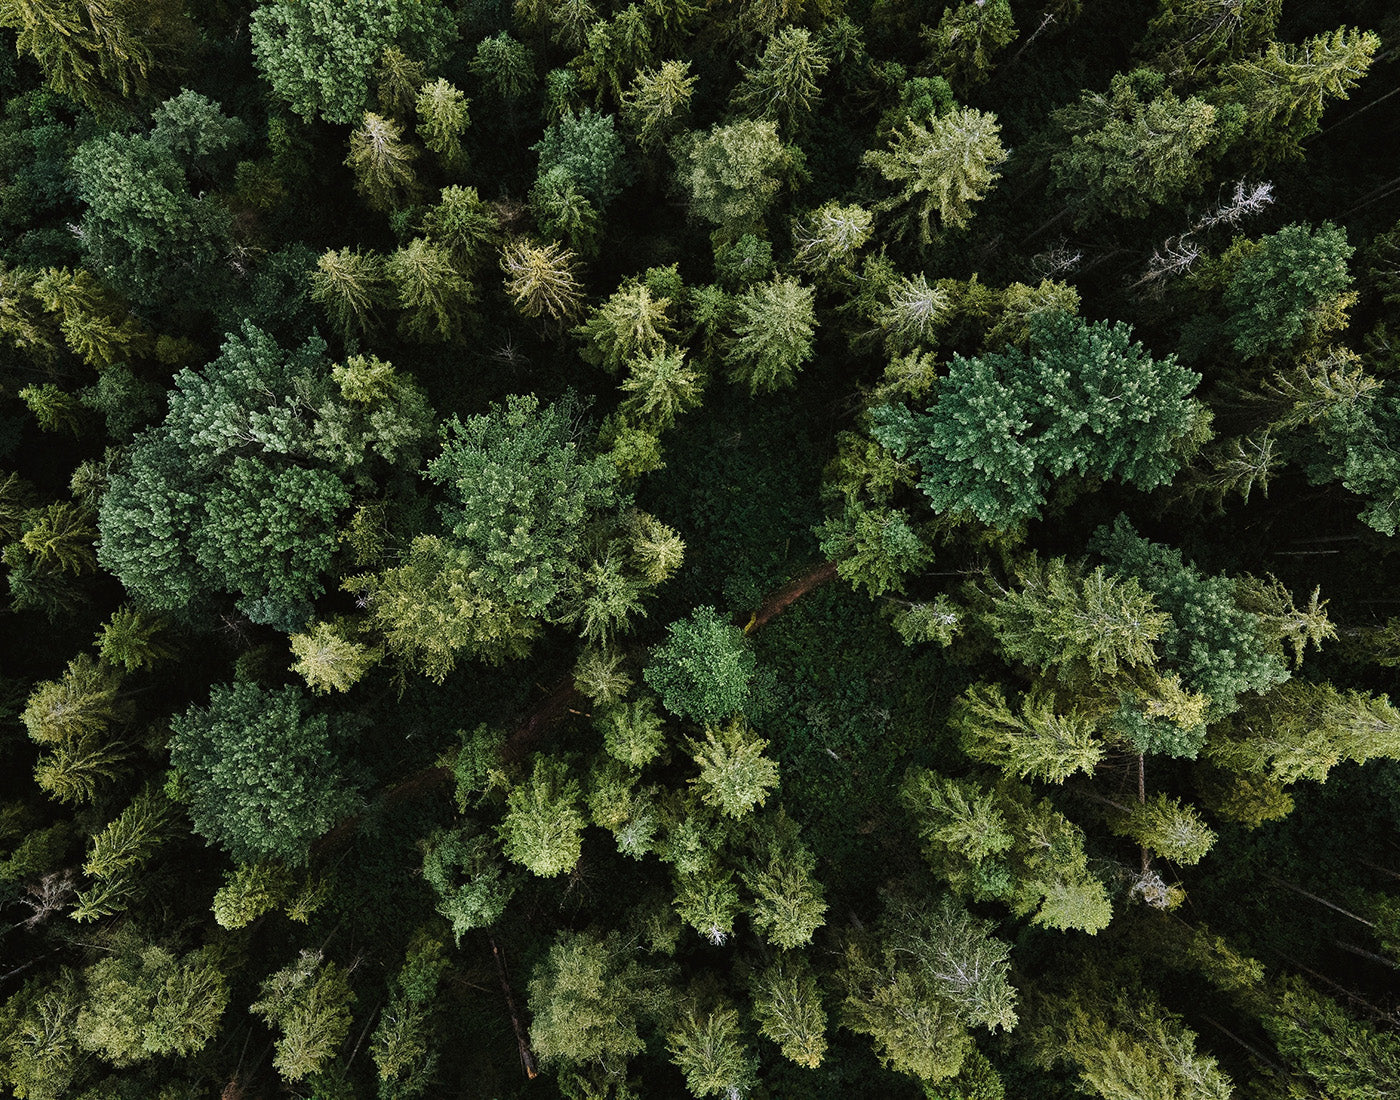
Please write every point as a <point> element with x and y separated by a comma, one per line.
<point>621,549</point>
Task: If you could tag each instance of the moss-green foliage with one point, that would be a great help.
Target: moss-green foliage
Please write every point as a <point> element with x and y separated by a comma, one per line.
<point>705,671</point>
<point>1083,400</point>
<point>257,771</point>
<point>318,56</point>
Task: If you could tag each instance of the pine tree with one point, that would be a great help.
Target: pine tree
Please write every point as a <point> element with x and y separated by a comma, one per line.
<point>542,279</point>
<point>734,776</point>
<point>660,386</point>
<point>1085,626</point>
<point>1285,89</point>
<point>463,225</point>
<point>773,330</point>
<point>249,891</point>
<point>54,409</point>
<point>827,240</point>
<point>383,163</point>
<point>543,828</point>
<point>506,65</point>
<point>397,79</point>
<point>613,49</point>
<point>433,296</point>
<point>131,638</point>
<point>1169,829</point>
<point>967,37</point>
<point>632,324</point>
<point>788,1007</point>
<point>587,998</point>
<point>705,1046</point>
<point>733,174</point>
<point>656,103</point>
<point>309,1003</point>
<point>788,904</point>
<point>328,660</point>
<point>464,869</point>
<point>783,85</point>
<point>60,537</point>
<point>352,286</point>
<point>1137,147</point>
<point>442,119</point>
<point>82,703</point>
<point>1036,743</point>
<point>943,165</point>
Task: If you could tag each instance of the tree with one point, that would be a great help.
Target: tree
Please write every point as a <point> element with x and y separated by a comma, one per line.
<point>734,776</point>
<point>660,386</point>
<point>251,890</point>
<point>1285,89</point>
<point>329,660</point>
<point>705,671</point>
<point>398,78</point>
<point>733,174</point>
<point>966,38</point>
<point>83,702</point>
<point>613,49</point>
<point>464,869</point>
<point>1220,649</point>
<point>1195,35</point>
<point>1082,398</point>
<point>1036,743</point>
<point>541,279</point>
<point>1282,286</point>
<point>705,1045</point>
<point>97,51</point>
<point>442,120</point>
<point>506,65</point>
<point>383,163</point>
<point>773,331</point>
<point>463,225</point>
<point>543,828</point>
<point>1125,1045</point>
<point>827,240</point>
<point>258,772</point>
<point>943,166</point>
<point>788,1007</point>
<point>434,297</point>
<point>147,1002</point>
<point>1168,829</point>
<point>309,1003</point>
<point>788,905</point>
<point>147,231</point>
<point>1082,625</point>
<point>657,101</point>
<point>587,1001</point>
<point>319,55</point>
<point>631,325</point>
<point>352,286</point>
<point>783,85</point>
<point>588,150</point>
<point>1137,147</point>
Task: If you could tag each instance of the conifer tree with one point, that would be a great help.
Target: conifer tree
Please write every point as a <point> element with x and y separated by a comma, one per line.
<point>308,1002</point>
<point>464,869</point>
<point>828,239</point>
<point>352,286</point>
<point>1285,89</point>
<point>397,78</point>
<point>542,279</point>
<point>434,298</point>
<point>773,330</point>
<point>329,660</point>
<point>943,165</point>
<point>383,163</point>
<point>733,174</point>
<point>783,85</point>
<point>1036,743</point>
<point>660,386</point>
<point>1135,148</point>
<point>543,827</point>
<point>788,903</point>
<point>706,1047</point>
<point>788,1008</point>
<point>656,103</point>
<point>132,638</point>
<point>967,37</point>
<point>442,120</point>
<point>463,225</point>
<point>632,324</point>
